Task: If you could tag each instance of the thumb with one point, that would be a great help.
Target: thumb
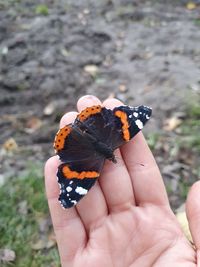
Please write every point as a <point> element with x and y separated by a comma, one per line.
<point>193,213</point>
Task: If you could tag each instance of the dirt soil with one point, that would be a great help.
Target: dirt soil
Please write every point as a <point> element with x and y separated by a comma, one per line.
<point>142,52</point>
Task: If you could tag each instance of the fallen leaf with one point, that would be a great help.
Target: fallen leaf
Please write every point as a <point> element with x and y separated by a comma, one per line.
<point>44,224</point>
<point>119,45</point>
<point>40,244</point>
<point>111,95</point>
<point>172,123</point>
<point>10,145</point>
<point>33,124</point>
<point>7,255</point>
<point>122,88</point>
<point>191,5</point>
<point>86,11</point>
<point>52,236</point>
<point>4,51</point>
<point>121,35</point>
<point>44,243</point>
<point>64,52</point>
<point>195,87</point>
<point>182,219</point>
<point>147,55</point>
<point>80,16</point>
<point>91,69</point>
<point>49,109</point>
<point>108,61</point>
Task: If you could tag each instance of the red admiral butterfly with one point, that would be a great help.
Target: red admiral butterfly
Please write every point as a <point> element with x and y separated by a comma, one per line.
<point>84,145</point>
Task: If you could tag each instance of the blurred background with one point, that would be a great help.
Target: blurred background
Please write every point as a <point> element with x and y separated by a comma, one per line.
<point>52,53</point>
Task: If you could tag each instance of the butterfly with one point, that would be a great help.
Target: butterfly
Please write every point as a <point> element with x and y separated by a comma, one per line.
<point>83,146</point>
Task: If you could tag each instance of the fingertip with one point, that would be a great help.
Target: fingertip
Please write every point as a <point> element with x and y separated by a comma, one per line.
<point>112,103</point>
<point>68,118</point>
<point>51,164</point>
<point>87,101</point>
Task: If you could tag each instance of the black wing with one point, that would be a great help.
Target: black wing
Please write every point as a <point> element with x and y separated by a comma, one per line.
<point>82,163</point>
<point>128,122</point>
<point>76,179</point>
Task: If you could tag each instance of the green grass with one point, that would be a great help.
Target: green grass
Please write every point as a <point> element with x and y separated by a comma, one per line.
<point>184,188</point>
<point>42,10</point>
<point>18,230</point>
<point>197,22</point>
<point>190,129</point>
<point>152,139</point>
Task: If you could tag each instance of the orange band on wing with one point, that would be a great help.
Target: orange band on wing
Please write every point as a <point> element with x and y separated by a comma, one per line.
<point>60,137</point>
<point>88,112</point>
<point>125,126</point>
<point>69,174</point>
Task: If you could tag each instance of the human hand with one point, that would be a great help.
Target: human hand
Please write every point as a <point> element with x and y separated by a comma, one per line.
<point>125,219</point>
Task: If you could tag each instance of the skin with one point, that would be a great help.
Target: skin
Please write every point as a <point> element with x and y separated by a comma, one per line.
<point>125,220</point>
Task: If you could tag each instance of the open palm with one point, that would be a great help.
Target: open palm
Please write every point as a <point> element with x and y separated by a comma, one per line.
<point>125,219</point>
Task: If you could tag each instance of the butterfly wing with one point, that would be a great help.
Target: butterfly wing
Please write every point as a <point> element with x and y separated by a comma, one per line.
<point>114,127</point>
<point>76,179</point>
<point>128,122</point>
<point>82,164</point>
<point>98,122</point>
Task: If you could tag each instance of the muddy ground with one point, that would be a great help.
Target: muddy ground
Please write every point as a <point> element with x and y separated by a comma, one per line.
<point>142,52</point>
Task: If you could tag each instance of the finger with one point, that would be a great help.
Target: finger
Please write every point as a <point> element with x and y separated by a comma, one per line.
<point>193,213</point>
<point>116,185</point>
<point>147,182</point>
<point>87,101</point>
<point>115,180</point>
<point>92,208</point>
<point>67,224</point>
<point>146,178</point>
<point>68,118</point>
<point>112,103</point>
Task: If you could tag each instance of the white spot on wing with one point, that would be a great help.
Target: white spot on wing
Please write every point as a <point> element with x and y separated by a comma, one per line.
<point>62,205</point>
<point>74,202</point>
<point>69,189</point>
<point>81,191</point>
<point>135,114</point>
<point>139,124</point>
<point>130,116</point>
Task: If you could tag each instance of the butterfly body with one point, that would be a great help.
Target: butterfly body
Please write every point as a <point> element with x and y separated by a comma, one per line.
<point>84,146</point>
